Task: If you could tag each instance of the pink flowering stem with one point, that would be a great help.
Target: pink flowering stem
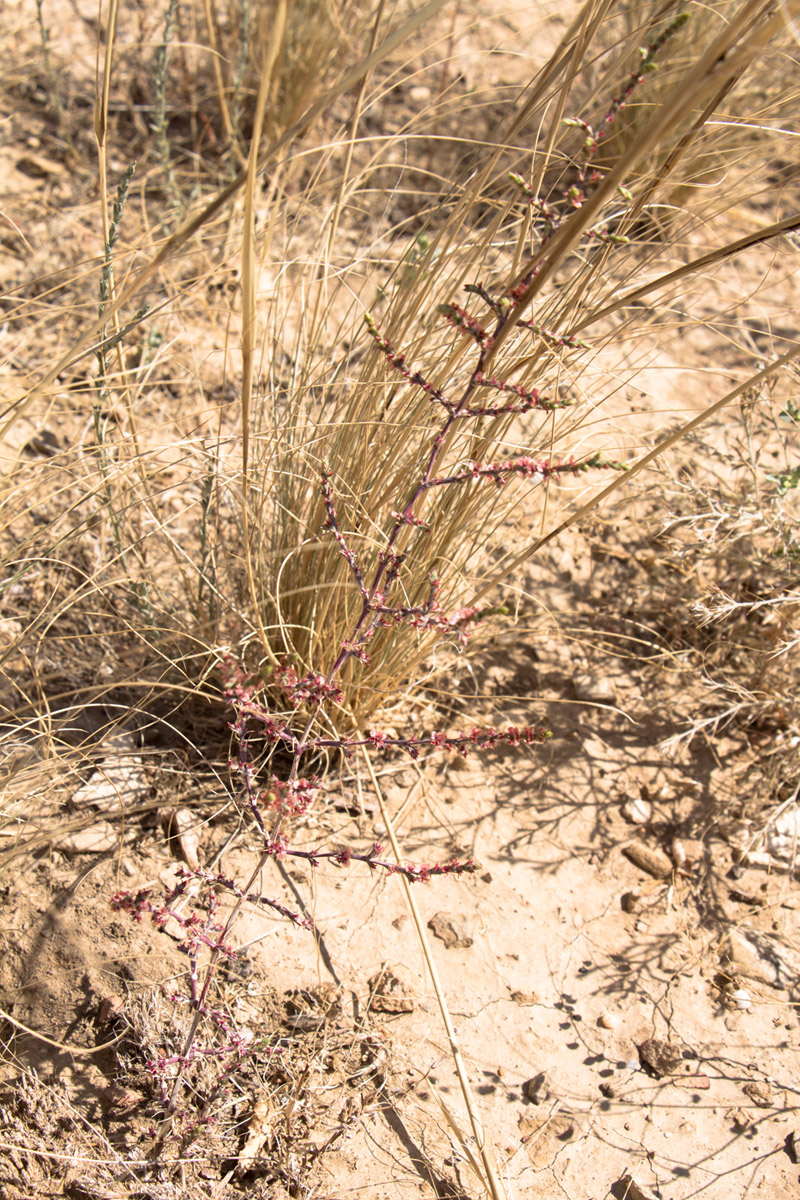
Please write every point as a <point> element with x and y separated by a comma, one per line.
<point>414,873</point>
<point>529,468</point>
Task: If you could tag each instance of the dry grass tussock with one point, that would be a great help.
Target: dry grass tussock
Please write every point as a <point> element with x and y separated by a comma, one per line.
<point>185,359</point>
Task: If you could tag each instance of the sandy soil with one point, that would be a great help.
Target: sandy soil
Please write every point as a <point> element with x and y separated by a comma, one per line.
<point>618,1017</point>
<point>622,970</point>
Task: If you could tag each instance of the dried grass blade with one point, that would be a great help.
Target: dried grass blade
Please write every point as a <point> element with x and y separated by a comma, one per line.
<point>753,381</point>
<point>490,1179</point>
<point>778,229</point>
<point>193,224</point>
<point>469,1153</point>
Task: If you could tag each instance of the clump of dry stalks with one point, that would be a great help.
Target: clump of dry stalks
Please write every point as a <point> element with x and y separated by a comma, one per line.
<point>564,263</point>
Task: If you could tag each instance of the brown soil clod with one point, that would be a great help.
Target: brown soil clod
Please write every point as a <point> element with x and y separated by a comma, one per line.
<point>393,990</point>
<point>759,1093</point>
<point>452,930</point>
<point>660,1057</point>
<point>537,1089</point>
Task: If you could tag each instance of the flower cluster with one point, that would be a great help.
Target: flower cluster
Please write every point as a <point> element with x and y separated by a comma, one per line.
<point>291,797</point>
<point>312,688</point>
<point>647,63</point>
<point>459,318</point>
<point>239,687</point>
<point>398,361</point>
<point>488,739</point>
<point>530,397</point>
<point>199,931</point>
<point>476,739</point>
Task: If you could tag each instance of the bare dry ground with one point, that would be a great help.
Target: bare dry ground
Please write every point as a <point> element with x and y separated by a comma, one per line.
<point>623,969</point>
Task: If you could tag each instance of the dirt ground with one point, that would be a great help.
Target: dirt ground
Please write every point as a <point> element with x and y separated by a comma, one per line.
<point>620,1014</point>
<point>623,969</point>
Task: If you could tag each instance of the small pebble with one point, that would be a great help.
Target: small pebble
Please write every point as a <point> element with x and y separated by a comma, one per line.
<point>537,1090</point>
<point>697,1083</point>
<point>111,1008</point>
<point>608,1020</point>
<point>741,998</point>
<point>637,811</point>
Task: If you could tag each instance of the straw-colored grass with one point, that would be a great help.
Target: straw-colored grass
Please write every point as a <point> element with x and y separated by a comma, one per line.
<point>325,396</point>
<point>167,539</point>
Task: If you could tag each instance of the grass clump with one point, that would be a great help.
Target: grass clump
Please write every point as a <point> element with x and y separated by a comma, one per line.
<point>538,272</point>
<point>293,561</point>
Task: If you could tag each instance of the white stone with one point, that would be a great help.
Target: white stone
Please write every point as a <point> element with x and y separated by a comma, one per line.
<point>118,783</point>
<point>637,811</point>
<point>95,839</point>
